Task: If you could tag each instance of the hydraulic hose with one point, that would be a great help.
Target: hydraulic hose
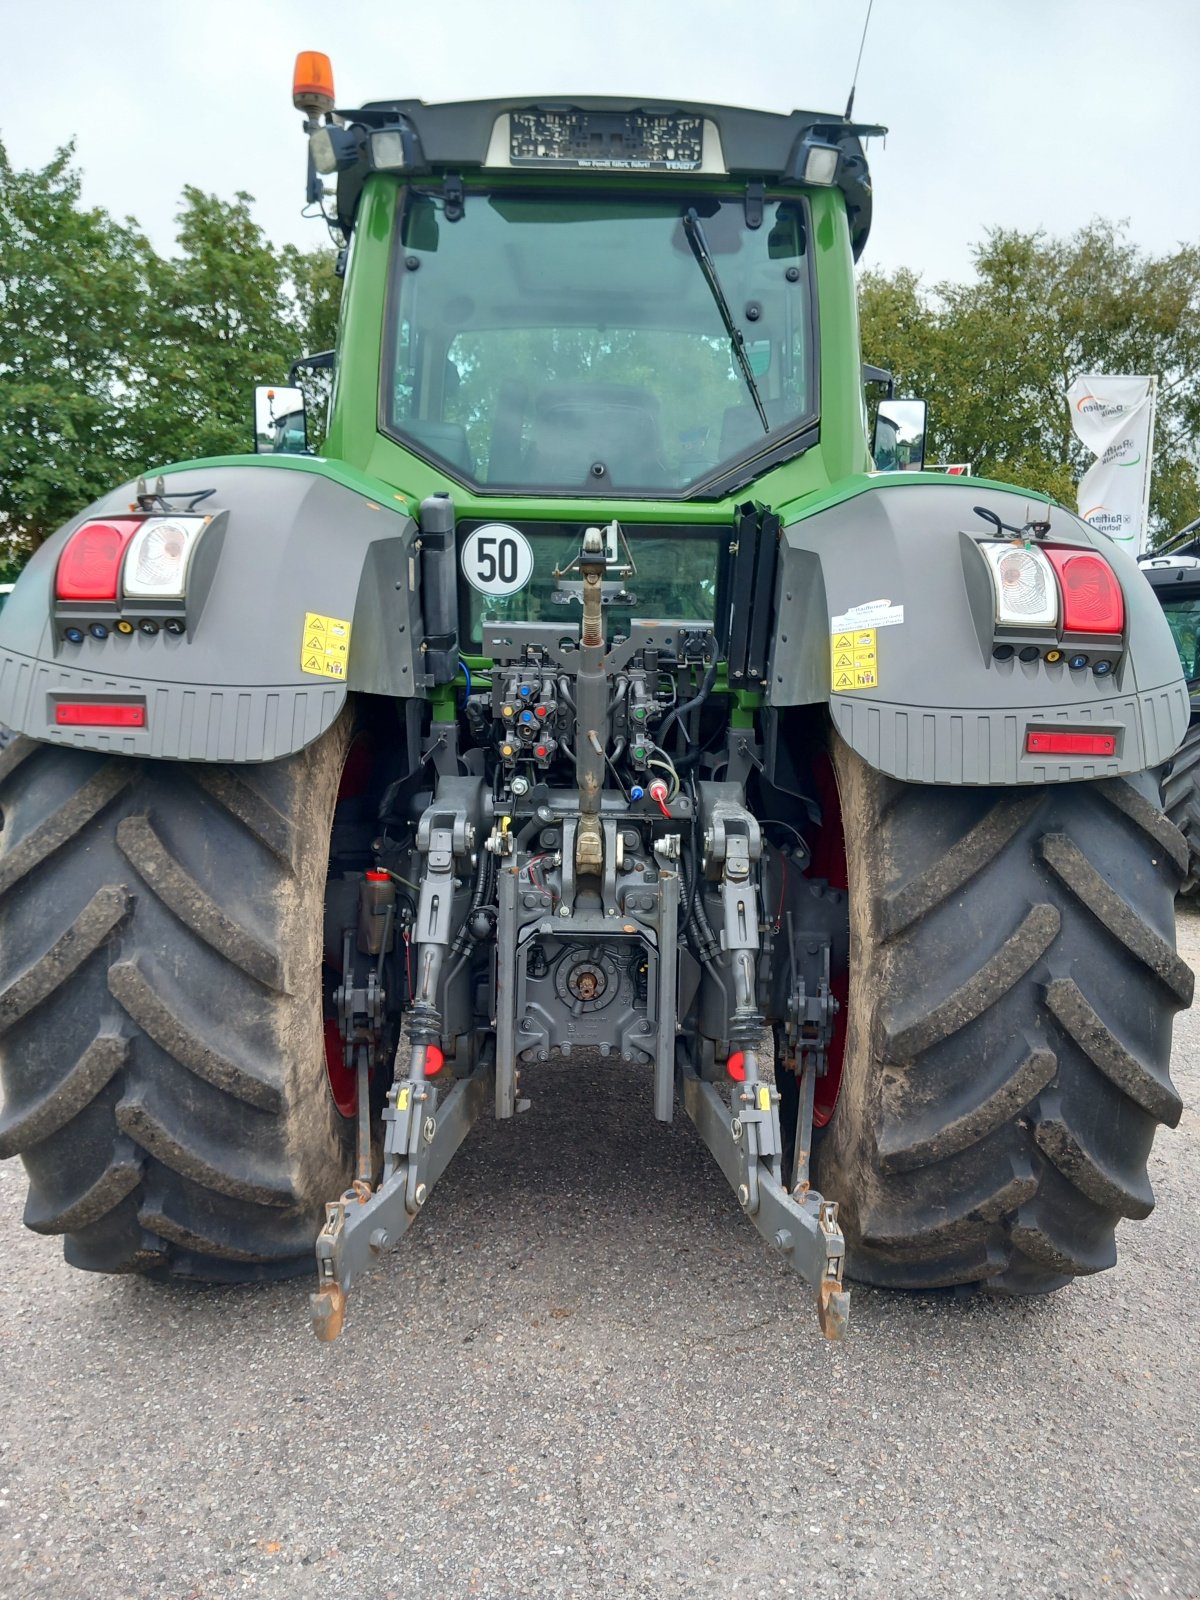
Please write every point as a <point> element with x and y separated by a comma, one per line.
<point>697,700</point>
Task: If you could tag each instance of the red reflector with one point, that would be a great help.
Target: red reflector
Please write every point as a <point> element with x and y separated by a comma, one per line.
<point>434,1060</point>
<point>99,714</point>
<point>1092,598</point>
<point>736,1066</point>
<point>90,563</point>
<point>1039,743</point>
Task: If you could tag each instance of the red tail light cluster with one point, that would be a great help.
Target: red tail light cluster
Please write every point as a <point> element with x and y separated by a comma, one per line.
<point>90,565</point>
<point>1092,601</point>
<point>144,558</point>
<point>1088,598</point>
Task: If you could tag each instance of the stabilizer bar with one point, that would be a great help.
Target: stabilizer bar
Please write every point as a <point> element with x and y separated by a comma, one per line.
<point>803,1226</point>
<point>420,1141</point>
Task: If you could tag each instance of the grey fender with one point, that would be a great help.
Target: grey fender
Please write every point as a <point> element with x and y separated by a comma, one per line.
<point>942,709</point>
<point>234,687</point>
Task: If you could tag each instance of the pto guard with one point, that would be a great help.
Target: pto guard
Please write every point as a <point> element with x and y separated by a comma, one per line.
<point>893,561</point>
<point>302,549</point>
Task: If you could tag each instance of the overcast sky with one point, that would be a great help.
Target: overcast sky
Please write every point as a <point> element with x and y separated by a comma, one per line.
<point>1014,113</point>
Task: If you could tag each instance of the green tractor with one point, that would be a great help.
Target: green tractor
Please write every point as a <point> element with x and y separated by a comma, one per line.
<point>590,691</point>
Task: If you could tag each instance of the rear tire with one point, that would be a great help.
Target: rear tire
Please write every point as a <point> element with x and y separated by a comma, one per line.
<point>161,1043</point>
<point>1181,801</point>
<point>1013,977</point>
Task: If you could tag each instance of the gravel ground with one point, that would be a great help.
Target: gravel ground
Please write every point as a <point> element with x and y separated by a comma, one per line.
<point>582,1374</point>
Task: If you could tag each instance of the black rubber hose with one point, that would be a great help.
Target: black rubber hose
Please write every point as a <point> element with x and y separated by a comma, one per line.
<point>697,700</point>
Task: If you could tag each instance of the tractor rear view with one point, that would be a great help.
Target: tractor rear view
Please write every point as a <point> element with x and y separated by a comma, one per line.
<point>591,691</point>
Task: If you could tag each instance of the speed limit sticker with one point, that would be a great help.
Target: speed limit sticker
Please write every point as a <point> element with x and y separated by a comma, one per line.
<point>497,559</point>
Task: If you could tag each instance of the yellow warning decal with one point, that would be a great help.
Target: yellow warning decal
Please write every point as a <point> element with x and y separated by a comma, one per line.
<point>764,1097</point>
<point>402,1099</point>
<point>325,645</point>
<point>854,660</point>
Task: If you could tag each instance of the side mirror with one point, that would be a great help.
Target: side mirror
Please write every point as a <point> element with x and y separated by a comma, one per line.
<point>900,436</point>
<point>280,426</point>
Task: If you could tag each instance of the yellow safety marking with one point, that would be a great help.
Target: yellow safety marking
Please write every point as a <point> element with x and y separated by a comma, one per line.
<point>854,661</point>
<point>402,1100</point>
<point>764,1097</point>
<point>324,645</point>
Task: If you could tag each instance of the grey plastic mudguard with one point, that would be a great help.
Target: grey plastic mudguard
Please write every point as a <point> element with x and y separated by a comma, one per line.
<point>943,710</point>
<point>233,689</point>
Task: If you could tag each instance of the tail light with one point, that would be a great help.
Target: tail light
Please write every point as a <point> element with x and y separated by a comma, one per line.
<point>1026,593</point>
<point>1092,598</point>
<point>90,564</point>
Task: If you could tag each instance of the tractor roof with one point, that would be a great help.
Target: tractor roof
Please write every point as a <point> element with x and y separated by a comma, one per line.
<point>601,134</point>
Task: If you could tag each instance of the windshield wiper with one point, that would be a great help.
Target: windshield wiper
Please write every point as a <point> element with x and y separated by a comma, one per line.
<point>695,235</point>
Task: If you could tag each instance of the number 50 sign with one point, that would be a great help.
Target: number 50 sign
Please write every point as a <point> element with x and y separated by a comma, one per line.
<point>497,559</point>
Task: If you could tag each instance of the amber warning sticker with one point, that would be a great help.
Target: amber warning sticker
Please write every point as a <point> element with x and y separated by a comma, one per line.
<point>325,645</point>
<point>853,660</point>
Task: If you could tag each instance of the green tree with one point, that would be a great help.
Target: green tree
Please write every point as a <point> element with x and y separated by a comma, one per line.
<point>218,321</point>
<point>72,287</point>
<point>315,292</point>
<point>114,360</point>
<point>994,356</point>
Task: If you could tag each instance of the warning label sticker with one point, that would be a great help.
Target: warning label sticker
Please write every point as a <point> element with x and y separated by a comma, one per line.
<point>325,645</point>
<point>853,660</point>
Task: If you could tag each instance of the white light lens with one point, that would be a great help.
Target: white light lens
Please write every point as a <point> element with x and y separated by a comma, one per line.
<point>159,555</point>
<point>387,150</point>
<point>323,154</point>
<point>1026,589</point>
<point>820,165</point>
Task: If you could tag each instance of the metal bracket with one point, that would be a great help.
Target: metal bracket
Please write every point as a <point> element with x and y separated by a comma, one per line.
<point>810,1015</point>
<point>360,1012</point>
<point>803,1225</point>
<point>454,197</point>
<point>421,1137</point>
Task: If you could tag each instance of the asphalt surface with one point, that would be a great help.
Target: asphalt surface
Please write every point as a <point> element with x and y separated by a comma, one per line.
<point>582,1374</point>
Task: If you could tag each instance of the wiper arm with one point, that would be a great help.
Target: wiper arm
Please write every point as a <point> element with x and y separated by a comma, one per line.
<point>695,236</point>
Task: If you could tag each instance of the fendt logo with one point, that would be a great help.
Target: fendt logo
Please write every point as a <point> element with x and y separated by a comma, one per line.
<point>1088,406</point>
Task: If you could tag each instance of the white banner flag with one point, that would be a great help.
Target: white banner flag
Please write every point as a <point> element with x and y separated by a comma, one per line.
<point>1115,419</point>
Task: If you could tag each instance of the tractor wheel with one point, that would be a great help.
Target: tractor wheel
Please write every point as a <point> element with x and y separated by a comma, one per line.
<point>1181,801</point>
<point>161,1038</point>
<point>1013,977</point>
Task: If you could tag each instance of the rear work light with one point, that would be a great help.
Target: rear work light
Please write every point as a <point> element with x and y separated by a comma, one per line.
<point>1042,742</point>
<point>99,714</point>
<point>1092,598</point>
<point>90,563</point>
<point>1026,593</point>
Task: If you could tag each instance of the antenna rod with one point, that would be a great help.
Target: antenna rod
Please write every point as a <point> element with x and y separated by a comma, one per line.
<point>858,63</point>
